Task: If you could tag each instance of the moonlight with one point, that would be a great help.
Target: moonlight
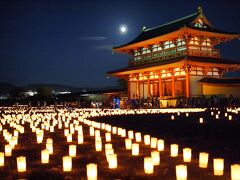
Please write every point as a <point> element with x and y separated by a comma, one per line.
<point>123,29</point>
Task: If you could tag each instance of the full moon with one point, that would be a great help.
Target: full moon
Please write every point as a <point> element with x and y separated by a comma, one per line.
<point>123,29</point>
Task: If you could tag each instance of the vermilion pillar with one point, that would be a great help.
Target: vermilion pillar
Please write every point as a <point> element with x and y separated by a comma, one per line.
<point>160,88</point>
<point>173,86</point>
<point>187,83</point>
<point>149,91</point>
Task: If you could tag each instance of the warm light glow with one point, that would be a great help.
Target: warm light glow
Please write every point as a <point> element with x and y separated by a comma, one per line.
<point>80,139</point>
<point>72,150</point>
<point>203,160</point>
<point>155,157</point>
<point>45,156</point>
<point>49,147</point>
<point>218,165</point>
<point>160,145</point>
<point>187,154</point>
<point>174,150</point>
<point>147,139</point>
<point>181,172</point>
<point>235,172</point>
<point>98,145</point>
<point>148,165</point>
<point>108,137</point>
<point>1,159</point>
<point>131,134</point>
<point>138,137</point>
<point>21,163</point>
<point>8,150</point>
<point>92,171</point>
<point>153,142</point>
<point>112,160</point>
<point>135,149</point>
<point>67,163</point>
<point>128,143</point>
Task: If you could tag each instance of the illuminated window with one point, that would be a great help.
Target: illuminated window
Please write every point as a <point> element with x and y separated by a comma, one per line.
<point>168,44</point>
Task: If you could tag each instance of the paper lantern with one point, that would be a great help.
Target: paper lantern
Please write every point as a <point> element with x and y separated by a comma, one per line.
<point>217,116</point>
<point>235,172</point>
<point>200,120</point>
<point>1,159</point>
<point>49,147</point>
<point>91,131</point>
<point>123,133</point>
<point>67,163</point>
<point>112,161</point>
<point>181,172</point>
<point>66,132</point>
<point>218,166</point>
<point>39,138</point>
<point>97,133</point>
<point>108,146</point>
<point>69,137</point>
<point>172,117</point>
<point>92,171</point>
<point>80,139</point>
<point>49,140</point>
<point>131,134</point>
<point>98,145</point>
<point>147,139</point>
<point>148,165</point>
<point>108,152</point>
<point>155,155</point>
<point>21,163</point>
<point>8,150</point>
<point>114,130</point>
<point>203,159</point>
<point>174,150</point>
<point>128,143</point>
<point>72,150</point>
<point>138,137</point>
<point>153,142</point>
<point>230,117</point>
<point>45,156</point>
<point>187,154</point>
<point>135,149</point>
<point>108,137</point>
<point>160,145</point>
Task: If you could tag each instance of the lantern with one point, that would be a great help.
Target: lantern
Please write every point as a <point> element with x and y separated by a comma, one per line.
<point>45,156</point>
<point>92,171</point>
<point>112,160</point>
<point>72,150</point>
<point>218,165</point>
<point>135,149</point>
<point>8,150</point>
<point>108,137</point>
<point>174,150</point>
<point>67,163</point>
<point>49,147</point>
<point>128,143</point>
<point>148,165</point>
<point>187,154</point>
<point>147,139</point>
<point>138,137</point>
<point>181,172</point>
<point>80,139</point>
<point>21,163</point>
<point>153,142</point>
<point>230,117</point>
<point>130,134</point>
<point>155,155</point>
<point>201,120</point>
<point>235,172</point>
<point>203,160</point>
<point>160,145</point>
<point>1,159</point>
<point>98,145</point>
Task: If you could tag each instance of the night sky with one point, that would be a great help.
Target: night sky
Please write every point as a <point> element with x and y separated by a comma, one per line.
<point>69,41</point>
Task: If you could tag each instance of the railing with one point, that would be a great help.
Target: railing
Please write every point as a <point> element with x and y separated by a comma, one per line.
<point>172,53</point>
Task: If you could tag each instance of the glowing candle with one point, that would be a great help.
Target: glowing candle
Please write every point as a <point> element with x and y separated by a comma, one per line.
<point>160,145</point>
<point>218,165</point>
<point>128,143</point>
<point>235,172</point>
<point>108,146</point>
<point>135,149</point>
<point>174,150</point>
<point>153,142</point>
<point>155,157</point>
<point>114,130</point>
<point>39,138</point>
<point>80,139</point>
<point>217,116</point>
<point>1,159</point>
<point>67,163</point>
<point>187,154</point>
<point>131,134</point>
<point>91,131</point>
<point>147,139</point>
<point>108,137</point>
<point>98,145</point>
<point>230,117</point>
<point>138,137</point>
<point>203,159</point>
<point>66,132</point>
<point>181,172</point>
<point>21,163</point>
<point>69,137</point>
<point>8,150</point>
<point>201,120</point>
<point>92,171</point>
<point>172,117</point>
<point>72,150</point>
<point>45,156</point>
<point>49,140</point>
<point>112,160</point>
<point>49,147</point>
<point>148,165</point>
<point>97,133</point>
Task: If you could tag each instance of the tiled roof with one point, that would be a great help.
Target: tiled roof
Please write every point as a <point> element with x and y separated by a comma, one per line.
<point>230,81</point>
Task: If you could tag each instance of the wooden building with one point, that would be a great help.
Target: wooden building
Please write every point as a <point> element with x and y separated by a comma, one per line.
<point>176,59</point>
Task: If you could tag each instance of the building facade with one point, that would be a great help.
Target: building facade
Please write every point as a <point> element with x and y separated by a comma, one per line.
<point>171,60</point>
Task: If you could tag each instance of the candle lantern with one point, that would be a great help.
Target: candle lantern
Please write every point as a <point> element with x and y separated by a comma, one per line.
<point>174,150</point>
<point>112,160</point>
<point>92,171</point>
<point>135,149</point>
<point>128,143</point>
<point>155,155</point>
<point>218,166</point>
<point>69,137</point>
<point>72,150</point>
<point>187,154</point>
<point>108,137</point>
<point>148,165</point>
<point>181,172</point>
<point>1,159</point>
<point>235,172</point>
<point>8,150</point>
<point>203,159</point>
<point>147,139</point>
<point>67,163</point>
<point>21,163</point>
<point>49,147</point>
<point>45,156</point>
<point>131,134</point>
<point>80,139</point>
<point>98,145</point>
<point>138,137</point>
<point>160,145</point>
<point>153,142</point>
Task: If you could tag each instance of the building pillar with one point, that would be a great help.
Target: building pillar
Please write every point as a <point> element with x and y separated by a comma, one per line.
<point>173,86</point>
<point>160,88</point>
<point>138,88</point>
<point>187,83</point>
<point>149,90</point>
